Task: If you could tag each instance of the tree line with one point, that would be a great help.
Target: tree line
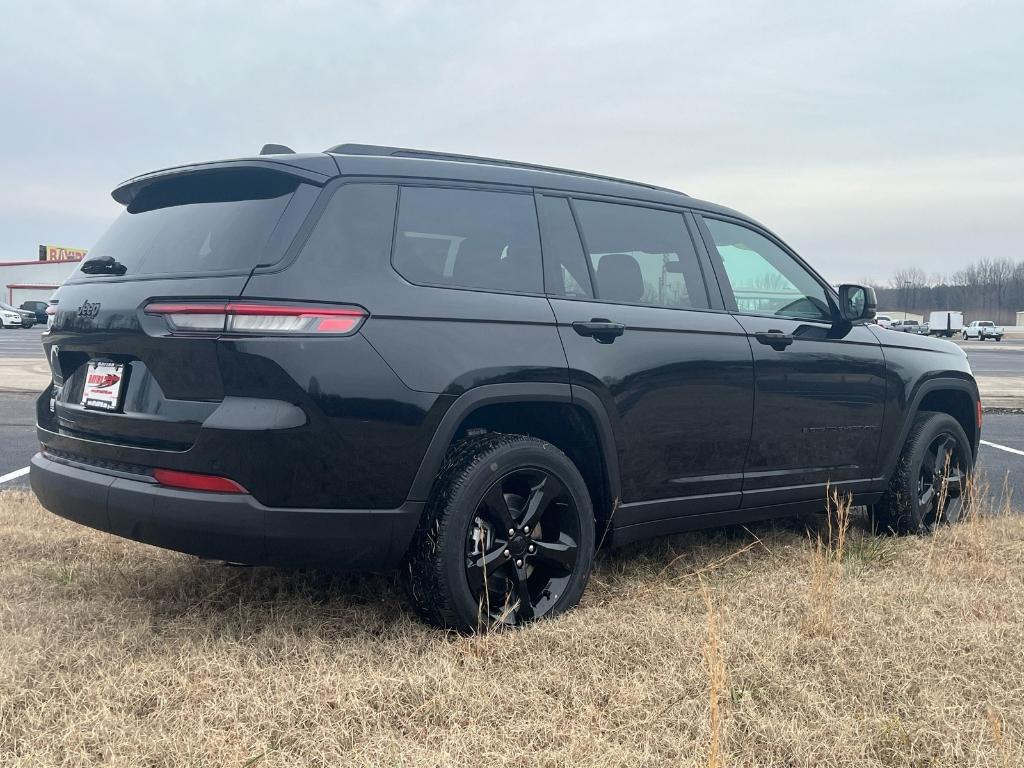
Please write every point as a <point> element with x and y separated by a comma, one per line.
<point>988,289</point>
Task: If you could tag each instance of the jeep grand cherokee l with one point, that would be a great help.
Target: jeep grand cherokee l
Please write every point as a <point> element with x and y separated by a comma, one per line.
<point>474,370</point>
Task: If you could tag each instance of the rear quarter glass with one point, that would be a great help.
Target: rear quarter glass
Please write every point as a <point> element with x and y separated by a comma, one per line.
<point>216,222</point>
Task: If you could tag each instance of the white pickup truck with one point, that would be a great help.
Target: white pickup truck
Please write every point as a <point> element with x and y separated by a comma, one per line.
<point>983,329</point>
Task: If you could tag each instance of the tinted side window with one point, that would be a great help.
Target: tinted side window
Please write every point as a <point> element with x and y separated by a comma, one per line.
<point>565,265</point>
<point>468,238</point>
<point>641,255</point>
<point>766,280</point>
<point>353,233</point>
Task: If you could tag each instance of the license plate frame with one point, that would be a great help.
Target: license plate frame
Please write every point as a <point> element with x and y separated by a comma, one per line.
<point>103,389</point>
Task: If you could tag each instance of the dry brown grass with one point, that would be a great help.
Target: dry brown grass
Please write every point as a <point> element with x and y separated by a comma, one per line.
<point>112,653</point>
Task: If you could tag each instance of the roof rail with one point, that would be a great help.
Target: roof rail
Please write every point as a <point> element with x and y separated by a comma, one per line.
<point>381,151</point>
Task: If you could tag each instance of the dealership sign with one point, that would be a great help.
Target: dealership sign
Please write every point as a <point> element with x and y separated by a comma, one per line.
<point>60,253</point>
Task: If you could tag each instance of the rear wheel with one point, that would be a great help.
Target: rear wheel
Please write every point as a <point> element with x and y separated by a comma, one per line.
<point>930,483</point>
<point>507,536</point>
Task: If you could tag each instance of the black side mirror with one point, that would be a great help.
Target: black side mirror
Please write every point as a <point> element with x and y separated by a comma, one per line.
<point>857,302</point>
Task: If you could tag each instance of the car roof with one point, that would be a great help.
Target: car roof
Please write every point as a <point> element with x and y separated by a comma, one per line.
<point>374,160</point>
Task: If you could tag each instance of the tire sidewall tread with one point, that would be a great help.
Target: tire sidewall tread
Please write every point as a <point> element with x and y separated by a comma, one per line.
<point>895,512</point>
<point>435,566</point>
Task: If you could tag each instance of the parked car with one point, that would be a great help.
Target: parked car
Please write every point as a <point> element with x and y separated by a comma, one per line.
<point>882,320</point>
<point>909,326</point>
<point>983,329</point>
<point>474,369</point>
<point>16,318</point>
<point>945,323</point>
<point>37,308</point>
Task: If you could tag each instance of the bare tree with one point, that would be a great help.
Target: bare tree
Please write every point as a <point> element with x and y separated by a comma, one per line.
<point>988,289</point>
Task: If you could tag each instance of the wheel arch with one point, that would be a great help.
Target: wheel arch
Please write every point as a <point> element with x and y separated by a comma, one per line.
<point>954,396</point>
<point>508,406</point>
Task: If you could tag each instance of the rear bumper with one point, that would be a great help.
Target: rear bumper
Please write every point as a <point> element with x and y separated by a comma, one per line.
<point>233,527</point>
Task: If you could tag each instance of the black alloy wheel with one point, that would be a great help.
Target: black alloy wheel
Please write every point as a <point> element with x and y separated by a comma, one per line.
<point>522,546</point>
<point>930,484</point>
<point>507,536</point>
<point>941,481</point>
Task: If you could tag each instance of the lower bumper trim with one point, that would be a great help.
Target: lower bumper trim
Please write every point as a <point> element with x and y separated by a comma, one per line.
<point>234,527</point>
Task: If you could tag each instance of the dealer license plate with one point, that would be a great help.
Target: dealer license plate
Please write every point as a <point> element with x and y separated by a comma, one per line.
<point>102,390</point>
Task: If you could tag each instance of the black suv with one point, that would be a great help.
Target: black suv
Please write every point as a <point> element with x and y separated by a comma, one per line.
<point>474,369</point>
<point>37,308</point>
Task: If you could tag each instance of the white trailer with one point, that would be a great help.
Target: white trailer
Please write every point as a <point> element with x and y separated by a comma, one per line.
<point>945,323</point>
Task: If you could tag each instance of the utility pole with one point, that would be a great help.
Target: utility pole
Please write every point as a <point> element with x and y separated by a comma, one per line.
<point>906,297</point>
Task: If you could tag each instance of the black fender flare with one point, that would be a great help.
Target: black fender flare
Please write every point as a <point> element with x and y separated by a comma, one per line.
<point>527,392</point>
<point>924,388</point>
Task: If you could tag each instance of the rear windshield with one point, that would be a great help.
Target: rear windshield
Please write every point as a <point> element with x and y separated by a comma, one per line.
<point>211,222</point>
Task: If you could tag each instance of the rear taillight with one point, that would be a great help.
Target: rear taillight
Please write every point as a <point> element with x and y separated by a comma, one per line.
<point>193,481</point>
<point>257,319</point>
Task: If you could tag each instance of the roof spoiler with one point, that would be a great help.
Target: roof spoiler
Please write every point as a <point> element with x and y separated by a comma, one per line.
<point>127,191</point>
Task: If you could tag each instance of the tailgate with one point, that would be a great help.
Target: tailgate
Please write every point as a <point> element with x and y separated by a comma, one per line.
<point>195,235</point>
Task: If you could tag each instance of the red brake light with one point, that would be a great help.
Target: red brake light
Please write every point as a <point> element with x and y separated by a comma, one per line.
<point>194,481</point>
<point>250,318</point>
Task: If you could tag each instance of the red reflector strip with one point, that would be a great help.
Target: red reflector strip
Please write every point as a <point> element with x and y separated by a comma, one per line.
<point>194,481</point>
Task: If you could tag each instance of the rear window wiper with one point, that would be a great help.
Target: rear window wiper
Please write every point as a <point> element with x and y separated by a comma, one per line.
<point>103,265</point>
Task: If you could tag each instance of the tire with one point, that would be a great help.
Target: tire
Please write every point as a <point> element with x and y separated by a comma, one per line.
<point>502,480</point>
<point>910,503</point>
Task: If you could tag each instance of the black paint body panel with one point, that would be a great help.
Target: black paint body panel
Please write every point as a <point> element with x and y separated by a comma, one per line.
<point>696,422</point>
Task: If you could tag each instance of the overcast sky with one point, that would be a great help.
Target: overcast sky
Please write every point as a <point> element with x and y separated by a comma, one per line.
<point>869,138</point>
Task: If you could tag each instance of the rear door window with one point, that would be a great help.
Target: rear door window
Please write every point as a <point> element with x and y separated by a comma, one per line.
<point>641,255</point>
<point>468,238</point>
<point>212,222</point>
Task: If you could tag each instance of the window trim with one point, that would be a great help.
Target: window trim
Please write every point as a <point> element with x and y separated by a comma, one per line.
<point>634,203</point>
<point>469,187</point>
<point>537,195</point>
<point>726,285</point>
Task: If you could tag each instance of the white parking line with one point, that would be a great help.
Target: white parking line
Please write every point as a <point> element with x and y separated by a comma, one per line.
<point>13,475</point>
<point>1006,448</point>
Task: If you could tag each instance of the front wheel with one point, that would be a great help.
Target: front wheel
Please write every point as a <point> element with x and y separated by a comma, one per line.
<point>507,536</point>
<point>930,483</point>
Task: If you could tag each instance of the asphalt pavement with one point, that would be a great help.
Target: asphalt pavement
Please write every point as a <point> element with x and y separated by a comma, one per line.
<point>1001,457</point>
<point>18,443</point>
<point>22,342</point>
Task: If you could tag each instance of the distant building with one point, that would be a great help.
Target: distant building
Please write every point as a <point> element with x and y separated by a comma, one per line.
<point>37,280</point>
<point>1020,319</point>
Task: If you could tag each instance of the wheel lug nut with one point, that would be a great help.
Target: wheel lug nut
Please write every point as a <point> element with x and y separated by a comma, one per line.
<point>511,531</point>
<point>531,548</point>
<point>519,563</point>
<point>506,553</point>
<point>526,529</point>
